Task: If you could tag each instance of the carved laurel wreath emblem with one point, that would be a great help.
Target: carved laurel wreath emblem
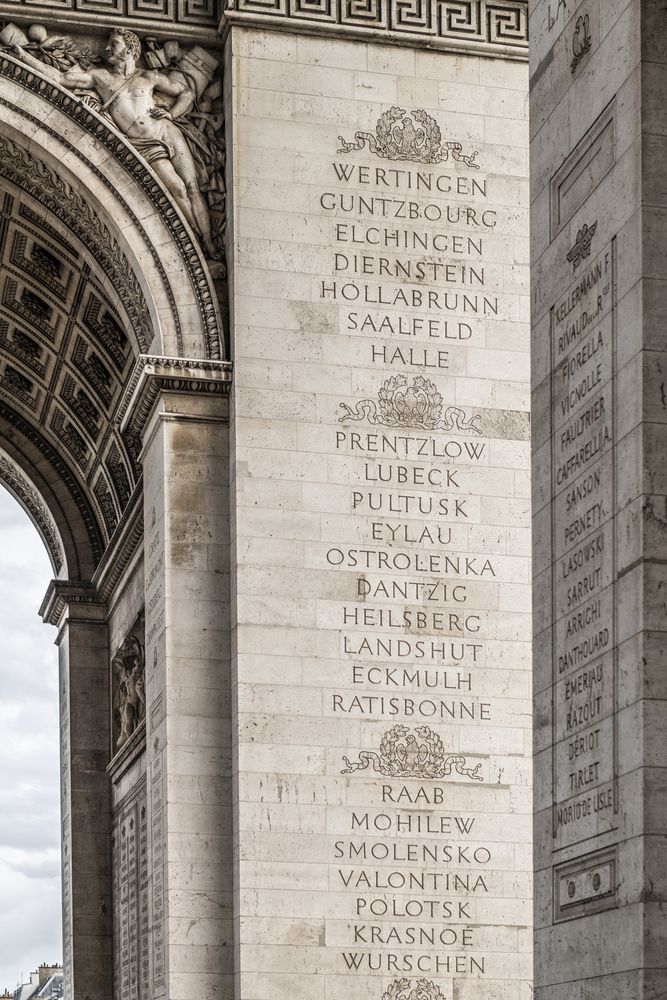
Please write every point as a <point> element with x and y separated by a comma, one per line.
<point>418,405</point>
<point>581,41</point>
<point>401,989</point>
<point>412,755</point>
<point>582,245</point>
<point>402,136</point>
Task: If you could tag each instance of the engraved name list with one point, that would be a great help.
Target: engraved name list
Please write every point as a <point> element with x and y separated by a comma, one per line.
<point>434,627</point>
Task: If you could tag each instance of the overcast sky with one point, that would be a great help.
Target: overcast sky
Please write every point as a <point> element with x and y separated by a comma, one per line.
<point>30,921</point>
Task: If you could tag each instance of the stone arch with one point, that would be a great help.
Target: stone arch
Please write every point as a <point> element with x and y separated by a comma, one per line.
<point>100,269</point>
<point>106,303</point>
<point>30,499</point>
<point>56,139</point>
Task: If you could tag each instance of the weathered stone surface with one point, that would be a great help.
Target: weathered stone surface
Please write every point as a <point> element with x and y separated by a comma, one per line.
<point>597,480</point>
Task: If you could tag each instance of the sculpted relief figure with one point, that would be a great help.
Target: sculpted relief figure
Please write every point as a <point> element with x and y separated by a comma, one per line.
<point>167,110</point>
<point>128,670</point>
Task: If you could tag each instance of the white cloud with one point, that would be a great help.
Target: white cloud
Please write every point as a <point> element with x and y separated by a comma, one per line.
<point>30,905</point>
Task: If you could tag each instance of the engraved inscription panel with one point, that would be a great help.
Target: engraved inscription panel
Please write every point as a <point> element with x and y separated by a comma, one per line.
<point>130,896</point>
<point>584,566</point>
<point>383,561</point>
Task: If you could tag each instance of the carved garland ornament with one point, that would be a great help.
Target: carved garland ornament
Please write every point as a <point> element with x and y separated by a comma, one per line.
<point>419,405</point>
<point>397,137</point>
<point>581,41</point>
<point>402,989</point>
<point>407,755</point>
<point>582,245</point>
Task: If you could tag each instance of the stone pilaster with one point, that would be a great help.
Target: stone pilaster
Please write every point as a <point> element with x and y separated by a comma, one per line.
<point>85,802</point>
<point>181,413</point>
<point>599,219</point>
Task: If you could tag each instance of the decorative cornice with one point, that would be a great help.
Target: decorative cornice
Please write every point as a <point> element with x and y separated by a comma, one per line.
<point>482,27</point>
<point>195,19</point>
<point>28,496</point>
<point>122,151</point>
<point>154,375</point>
<point>62,594</point>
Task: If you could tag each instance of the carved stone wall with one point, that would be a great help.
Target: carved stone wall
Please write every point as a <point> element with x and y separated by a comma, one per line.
<point>111,341</point>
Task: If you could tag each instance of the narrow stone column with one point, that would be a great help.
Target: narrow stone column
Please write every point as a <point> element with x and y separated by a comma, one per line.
<point>188,737</point>
<point>85,801</point>
<point>599,290</point>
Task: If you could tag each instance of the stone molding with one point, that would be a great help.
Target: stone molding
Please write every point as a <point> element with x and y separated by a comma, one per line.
<point>64,594</point>
<point>28,496</point>
<point>482,27</point>
<point>123,545</point>
<point>155,375</point>
<point>128,753</point>
<point>58,462</point>
<point>123,152</point>
<point>196,18</point>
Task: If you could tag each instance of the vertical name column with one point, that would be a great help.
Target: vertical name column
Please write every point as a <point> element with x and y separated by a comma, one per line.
<point>434,588</point>
<point>583,512</point>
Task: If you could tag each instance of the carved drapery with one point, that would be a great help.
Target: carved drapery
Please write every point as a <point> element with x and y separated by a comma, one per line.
<point>128,669</point>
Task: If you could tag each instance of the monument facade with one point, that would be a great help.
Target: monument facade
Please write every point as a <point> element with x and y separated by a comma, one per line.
<point>380,561</point>
<point>265,378</point>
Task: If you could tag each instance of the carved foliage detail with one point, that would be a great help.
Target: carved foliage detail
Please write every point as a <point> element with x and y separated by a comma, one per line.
<point>402,989</point>
<point>418,405</point>
<point>412,755</point>
<point>582,245</point>
<point>402,136</point>
<point>581,41</point>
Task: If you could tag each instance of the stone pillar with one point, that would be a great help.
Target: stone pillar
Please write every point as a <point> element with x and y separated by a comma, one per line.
<point>599,231</point>
<point>181,413</point>
<point>85,801</point>
<point>380,534</point>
